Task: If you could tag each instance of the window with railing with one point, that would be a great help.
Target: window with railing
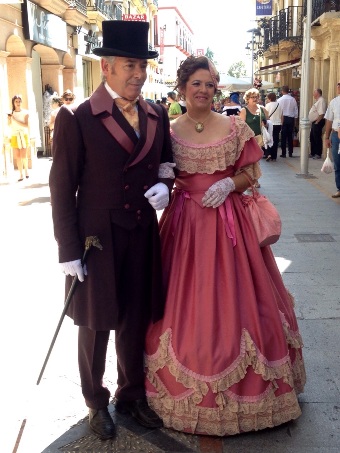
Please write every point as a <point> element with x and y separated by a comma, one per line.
<point>286,26</point>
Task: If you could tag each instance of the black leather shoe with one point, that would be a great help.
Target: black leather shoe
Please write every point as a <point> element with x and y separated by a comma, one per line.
<point>140,410</point>
<point>101,423</point>
<point>282,155</point>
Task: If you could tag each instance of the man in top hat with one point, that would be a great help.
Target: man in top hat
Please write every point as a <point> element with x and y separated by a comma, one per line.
<point>112,169</point>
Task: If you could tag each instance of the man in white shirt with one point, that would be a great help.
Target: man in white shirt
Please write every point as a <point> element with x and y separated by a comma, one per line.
<point>289,113</point>
<point>332,139</point>
<point>316,117</point>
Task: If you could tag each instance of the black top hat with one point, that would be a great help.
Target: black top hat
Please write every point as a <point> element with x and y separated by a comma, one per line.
<point>125,39</point>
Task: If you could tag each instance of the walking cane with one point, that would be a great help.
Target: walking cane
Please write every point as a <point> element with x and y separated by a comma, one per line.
<point>89,242</point>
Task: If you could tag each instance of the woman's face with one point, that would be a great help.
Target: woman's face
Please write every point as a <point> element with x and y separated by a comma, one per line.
<point>253,99</point>
<point>17,103</point>
<point>199,90</point>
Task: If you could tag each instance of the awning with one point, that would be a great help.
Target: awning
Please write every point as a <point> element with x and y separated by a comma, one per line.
<point>278,69</point>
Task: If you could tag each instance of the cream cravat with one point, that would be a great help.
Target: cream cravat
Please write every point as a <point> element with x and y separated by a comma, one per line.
<point>129,111</point>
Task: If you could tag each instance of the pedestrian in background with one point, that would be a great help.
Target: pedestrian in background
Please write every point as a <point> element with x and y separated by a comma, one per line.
<point>233,106</point>
<point>332,139</point>
<point>18,122</point>
<point>255,116</point>
<point>56,103</point>
<point>68,97</point>
<point>174,109</point>
<point>316,117</point>
<point>275,116</point>
<point>112,169</point>
<point>164,103</point>
<point>289,113</point>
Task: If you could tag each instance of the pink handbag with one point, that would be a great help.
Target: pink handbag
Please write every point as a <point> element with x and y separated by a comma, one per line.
<point>264,217</point>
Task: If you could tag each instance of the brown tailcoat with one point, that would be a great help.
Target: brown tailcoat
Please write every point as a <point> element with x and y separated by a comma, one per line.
<point>99,175</point>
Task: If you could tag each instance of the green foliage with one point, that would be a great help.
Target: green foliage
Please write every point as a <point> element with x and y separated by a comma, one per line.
<point>237,69</point>
<point>210,54</point>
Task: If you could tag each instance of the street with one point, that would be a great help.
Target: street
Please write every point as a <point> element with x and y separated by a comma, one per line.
<point>48,418</point>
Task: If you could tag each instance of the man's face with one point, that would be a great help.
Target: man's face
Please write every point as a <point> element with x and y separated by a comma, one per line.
<point>316,94</point>
<point>338,87</point>
<point>125,76</point>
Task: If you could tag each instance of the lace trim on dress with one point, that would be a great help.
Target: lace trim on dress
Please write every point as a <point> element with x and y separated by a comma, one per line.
<point>233,413</point>
<point>233,418</point>
<point>214,157</point>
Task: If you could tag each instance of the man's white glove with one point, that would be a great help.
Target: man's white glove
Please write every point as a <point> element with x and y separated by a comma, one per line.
<point>158,196</point>
<point>74,268</point>
<point>218,192</point>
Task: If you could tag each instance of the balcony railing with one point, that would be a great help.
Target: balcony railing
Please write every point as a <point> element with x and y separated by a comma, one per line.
<point>109,10</point>
<point>320,7</point>
<point>79,5</point>
<point>286,26</point>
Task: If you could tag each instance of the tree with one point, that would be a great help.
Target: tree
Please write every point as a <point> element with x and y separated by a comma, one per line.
<point>237,69</point>
<point>210,54</point>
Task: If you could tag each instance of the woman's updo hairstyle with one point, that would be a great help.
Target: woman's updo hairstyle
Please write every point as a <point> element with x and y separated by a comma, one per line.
<point>191,65</point>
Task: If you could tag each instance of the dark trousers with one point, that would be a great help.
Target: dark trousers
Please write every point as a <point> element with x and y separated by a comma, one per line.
<point>132,256</point>
<point>315,138</point>
<point>287,135</point>
<point>272,150</point>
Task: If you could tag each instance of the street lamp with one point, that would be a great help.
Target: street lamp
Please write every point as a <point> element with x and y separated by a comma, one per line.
<point>255,32</point>
<point>304,121</point>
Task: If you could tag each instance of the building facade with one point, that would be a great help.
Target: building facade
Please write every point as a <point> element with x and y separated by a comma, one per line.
<point>46,47</point>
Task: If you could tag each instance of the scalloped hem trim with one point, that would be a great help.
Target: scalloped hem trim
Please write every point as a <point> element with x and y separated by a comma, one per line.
<point>233,419</point>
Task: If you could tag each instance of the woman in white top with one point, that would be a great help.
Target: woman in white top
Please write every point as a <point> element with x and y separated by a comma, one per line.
<point>275,115</point>
<point>18,122</point>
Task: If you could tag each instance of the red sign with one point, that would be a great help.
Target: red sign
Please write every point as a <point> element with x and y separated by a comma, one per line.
<point>200,53</point>
<point>161,45</point>
<point>135,17</point>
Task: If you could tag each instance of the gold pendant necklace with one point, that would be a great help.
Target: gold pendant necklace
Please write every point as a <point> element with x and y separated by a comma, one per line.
<point>199,125</point>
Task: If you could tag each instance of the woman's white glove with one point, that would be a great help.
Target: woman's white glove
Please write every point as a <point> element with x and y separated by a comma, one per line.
<point>158,196</point>
<point>74,268</point>
<point>218,192</point>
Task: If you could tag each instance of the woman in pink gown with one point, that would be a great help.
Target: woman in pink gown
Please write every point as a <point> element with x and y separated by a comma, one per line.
<point>226,357</point>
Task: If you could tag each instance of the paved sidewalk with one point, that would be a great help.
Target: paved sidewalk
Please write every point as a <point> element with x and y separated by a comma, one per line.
<point>51,417</point>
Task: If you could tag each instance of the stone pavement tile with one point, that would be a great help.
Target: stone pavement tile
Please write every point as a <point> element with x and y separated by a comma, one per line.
<point>322,361</point>
<point>315,428</point>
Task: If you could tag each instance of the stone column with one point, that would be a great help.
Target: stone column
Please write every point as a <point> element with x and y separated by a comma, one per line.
<point>52,74</point>
<point>317,75</point>
<point>69,79</point>
<point>333,73</point>
<point>6,161</point>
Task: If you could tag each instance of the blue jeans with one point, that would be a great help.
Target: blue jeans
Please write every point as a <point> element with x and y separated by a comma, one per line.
<point>336,158</point>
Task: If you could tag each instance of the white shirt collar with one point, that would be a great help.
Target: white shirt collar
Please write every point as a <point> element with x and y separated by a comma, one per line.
<point>112,93</point>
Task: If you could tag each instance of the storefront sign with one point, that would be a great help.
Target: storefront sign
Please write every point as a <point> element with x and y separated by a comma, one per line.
<point>264,7</point>
<point>43,27</point>
<point>135,17</point>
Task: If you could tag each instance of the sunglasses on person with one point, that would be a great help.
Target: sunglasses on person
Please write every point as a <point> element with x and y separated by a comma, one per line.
<point>338,84</point>
<point>69,99</point>
<point>253,97</point>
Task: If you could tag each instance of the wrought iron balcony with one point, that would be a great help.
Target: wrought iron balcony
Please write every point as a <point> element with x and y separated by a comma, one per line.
<point>320,7</point>
<point>286,26</point>
<point>79,5</point>
<point>108,10</point>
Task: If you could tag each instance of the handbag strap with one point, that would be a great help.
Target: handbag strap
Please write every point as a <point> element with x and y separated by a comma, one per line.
<point>273,111</point>
<point>253,188</point>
